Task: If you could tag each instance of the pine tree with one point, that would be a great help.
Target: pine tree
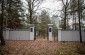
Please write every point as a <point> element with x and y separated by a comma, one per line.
<point>13,13</point>
<point>44,20</point>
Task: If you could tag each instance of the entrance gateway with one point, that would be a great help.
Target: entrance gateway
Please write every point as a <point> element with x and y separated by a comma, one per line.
<point>50,32</point>
<point>32,32</point>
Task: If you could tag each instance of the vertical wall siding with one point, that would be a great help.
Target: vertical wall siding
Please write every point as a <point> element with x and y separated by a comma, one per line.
<point>17,34</point>
<point>69,35</point>
<point>83,36</point>
<point>4,34</point>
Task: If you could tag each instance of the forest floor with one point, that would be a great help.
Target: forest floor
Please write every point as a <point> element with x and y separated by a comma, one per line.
<point>42,47</point>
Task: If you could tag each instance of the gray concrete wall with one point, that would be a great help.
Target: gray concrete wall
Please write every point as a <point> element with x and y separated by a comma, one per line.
<point>70,35</point>
<point>4,34</point>
<point>17,34</point>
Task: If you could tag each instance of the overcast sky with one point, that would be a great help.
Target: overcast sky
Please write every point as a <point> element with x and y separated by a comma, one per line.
<point>50,6</point>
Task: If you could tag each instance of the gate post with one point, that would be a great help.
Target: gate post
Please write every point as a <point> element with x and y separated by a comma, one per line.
<point>7,34</point>
<point>50,32</point>
<point>31,31</point>
<point>59,34</point>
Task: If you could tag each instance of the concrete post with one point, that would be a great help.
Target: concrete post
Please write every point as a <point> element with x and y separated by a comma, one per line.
<point>31,32</point>
<point>50,32</point>
<point>7,33</point>
<point>59,34</point>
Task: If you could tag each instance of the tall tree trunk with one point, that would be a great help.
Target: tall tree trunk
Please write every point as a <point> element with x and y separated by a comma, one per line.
<point>1,28</point>
<point>30,10</point>
<point>75,21</point>
<point>79,21</point>
<point>65,19</point>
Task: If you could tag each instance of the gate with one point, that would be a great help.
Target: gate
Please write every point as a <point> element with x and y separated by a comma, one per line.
<point>47,34</point>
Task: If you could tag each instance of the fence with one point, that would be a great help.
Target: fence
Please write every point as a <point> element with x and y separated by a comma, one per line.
<point>16,34</point>
<point>70,35</point>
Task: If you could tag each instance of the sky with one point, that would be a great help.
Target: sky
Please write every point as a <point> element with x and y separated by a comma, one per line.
<point>50,5</point>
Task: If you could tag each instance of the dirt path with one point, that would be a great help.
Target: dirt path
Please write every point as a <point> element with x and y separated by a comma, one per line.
<point>37,47</point>
<point>42,47</point>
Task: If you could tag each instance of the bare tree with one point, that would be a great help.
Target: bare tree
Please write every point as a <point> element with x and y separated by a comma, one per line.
<point>33,6</point>
<point>79,21</point>
<point>73,7</point>
<point>65,10</point>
